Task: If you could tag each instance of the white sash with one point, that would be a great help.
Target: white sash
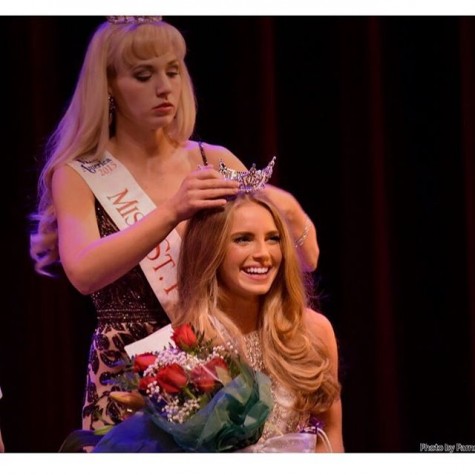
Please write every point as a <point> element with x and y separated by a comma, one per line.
<point>126,203</point>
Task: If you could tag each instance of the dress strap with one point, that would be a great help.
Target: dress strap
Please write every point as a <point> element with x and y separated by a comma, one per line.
<point>203,154</point>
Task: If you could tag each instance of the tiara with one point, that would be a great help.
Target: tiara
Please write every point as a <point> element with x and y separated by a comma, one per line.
<point>132,20</point>
<point>252,180</point>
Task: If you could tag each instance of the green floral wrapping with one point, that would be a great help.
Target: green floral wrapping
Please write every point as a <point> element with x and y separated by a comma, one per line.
<point>199,398</point>
<point>233,419</point>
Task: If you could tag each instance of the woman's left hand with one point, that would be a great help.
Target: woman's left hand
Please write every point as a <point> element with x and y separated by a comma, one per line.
<point>300,225</point>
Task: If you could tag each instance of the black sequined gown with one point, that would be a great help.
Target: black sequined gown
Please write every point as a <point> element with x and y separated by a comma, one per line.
<point>127,310</point>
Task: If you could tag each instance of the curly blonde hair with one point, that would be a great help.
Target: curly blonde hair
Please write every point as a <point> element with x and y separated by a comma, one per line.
<point>85,129</point>
<point>295,358</point>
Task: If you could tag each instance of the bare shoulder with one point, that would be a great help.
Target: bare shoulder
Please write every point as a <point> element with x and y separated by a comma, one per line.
<point>216,153</point>
<point>320,326</point>
<point>63,173</point>
<point>67,181</point>
<point>321,329</point>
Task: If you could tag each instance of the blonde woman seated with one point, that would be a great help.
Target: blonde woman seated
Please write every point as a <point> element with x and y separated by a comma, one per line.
<point>239,279</point>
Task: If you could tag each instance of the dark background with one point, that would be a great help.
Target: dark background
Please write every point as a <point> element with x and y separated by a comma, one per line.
<point>372,120</point>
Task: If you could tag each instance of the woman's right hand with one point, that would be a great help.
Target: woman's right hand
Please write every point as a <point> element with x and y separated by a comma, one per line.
<point>90,261</point>
<point>203,188</point>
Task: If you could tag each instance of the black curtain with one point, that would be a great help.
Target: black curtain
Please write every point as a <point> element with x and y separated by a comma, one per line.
<point>372,120</point>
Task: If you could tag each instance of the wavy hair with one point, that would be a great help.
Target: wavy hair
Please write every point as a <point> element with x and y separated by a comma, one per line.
<point>293,357</point>
<point>85,129</point>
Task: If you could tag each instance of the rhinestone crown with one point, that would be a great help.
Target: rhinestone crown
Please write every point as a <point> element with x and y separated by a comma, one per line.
<point>250,180</point>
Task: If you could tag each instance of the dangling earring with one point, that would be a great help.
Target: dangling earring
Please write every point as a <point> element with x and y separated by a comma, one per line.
<point>111,109</point>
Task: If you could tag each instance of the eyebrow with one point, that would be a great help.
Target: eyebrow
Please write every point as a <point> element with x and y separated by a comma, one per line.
<point>174,63</point>
<point>250,233</point>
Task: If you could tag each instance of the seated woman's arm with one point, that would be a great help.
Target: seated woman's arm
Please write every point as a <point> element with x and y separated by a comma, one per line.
<point>332,418</point>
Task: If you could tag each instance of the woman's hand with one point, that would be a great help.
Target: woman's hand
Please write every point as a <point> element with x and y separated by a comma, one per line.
<point>300,225</point>
<point>203,188</point>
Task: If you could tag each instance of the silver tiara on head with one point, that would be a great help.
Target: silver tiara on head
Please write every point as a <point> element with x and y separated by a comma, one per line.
<point>249,181</point>
<point>132,20</point>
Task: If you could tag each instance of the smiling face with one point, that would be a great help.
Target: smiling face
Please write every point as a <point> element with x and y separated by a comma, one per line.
<point>147,93</point>
<point>253,253</point>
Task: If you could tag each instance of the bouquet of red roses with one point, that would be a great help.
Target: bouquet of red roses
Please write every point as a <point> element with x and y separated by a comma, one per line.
<point>198,398</point>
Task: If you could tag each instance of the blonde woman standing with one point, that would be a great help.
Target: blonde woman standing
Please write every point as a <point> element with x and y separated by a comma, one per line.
<point>120,180</point>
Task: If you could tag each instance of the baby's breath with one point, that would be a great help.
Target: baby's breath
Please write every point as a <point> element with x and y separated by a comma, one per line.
<point>179,407</point>
<point>180,413</point>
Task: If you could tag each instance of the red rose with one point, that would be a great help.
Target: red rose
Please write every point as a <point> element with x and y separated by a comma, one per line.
<point>215,363</point>
<point>184,337</point>
<point>171,378</point>
<point>145,382</point>
<point>203,378</point>
<point>143,361</point>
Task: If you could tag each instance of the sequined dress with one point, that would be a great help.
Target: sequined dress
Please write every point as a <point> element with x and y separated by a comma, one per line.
<point>283,418</point>
<point>127,310</point>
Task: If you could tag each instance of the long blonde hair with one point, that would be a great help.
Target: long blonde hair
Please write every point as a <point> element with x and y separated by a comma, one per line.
<point>84,130</point>
<point>293,357</point>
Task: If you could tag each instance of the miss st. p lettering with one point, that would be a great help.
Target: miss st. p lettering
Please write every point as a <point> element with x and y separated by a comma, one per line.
<point>127,209</point>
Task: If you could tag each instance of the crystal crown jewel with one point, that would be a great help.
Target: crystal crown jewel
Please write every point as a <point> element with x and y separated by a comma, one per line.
<point>251,180</point>
<point>134,20</point>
